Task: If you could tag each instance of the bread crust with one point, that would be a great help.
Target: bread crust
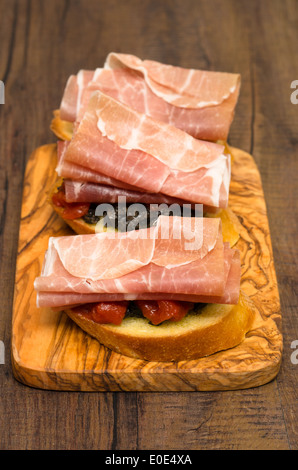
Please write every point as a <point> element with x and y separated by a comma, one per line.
<point>216,328</point>
<point>77,225</point>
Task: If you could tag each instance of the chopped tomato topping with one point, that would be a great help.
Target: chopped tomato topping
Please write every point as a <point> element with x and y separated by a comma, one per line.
<point>161,310</point>
<point>104,312</point>
<point>155,311</point>
<point>71,210</point>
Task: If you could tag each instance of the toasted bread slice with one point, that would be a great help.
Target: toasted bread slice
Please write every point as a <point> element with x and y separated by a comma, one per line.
<point>215,328</point>
<point>79,226</point>
<point>62,129</point>
<point>230,225</point>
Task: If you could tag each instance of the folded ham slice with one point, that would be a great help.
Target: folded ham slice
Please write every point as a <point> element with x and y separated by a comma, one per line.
<point>178,259</point>
<point>72,94</point>
<point>139,151</point>
<point>185,88</point>
<point>79,173</point>
<point>78,191</point>
<point>99,188</point>
<point>201,103</point>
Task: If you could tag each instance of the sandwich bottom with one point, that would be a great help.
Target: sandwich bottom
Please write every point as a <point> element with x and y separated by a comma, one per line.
<point>213,328</point>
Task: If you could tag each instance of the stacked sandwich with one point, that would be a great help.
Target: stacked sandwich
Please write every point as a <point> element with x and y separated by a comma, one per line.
<point>140,137</point>
<point>187,111</point>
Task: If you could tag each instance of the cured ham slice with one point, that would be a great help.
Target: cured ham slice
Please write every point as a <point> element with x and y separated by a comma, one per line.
<point>77,191</point>
<point>131,130</point>
<point>144,264</point>
<point>98,188</point>
<point>182,240</point>
<point>201,103</point>
<point>135,149</point>
<point>47,298</point>
<point>72,94</point>
<point>80,173</point>
<point>185,88</point>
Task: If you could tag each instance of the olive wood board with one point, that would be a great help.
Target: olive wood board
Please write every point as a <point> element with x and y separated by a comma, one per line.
<point>51,352</point>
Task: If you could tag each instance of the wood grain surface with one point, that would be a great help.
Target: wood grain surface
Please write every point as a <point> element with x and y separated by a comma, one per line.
<point>49,351</point>
<point>42,43</point>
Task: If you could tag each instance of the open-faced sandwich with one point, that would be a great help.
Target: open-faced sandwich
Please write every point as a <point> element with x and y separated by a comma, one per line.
<point>167,293</point>
<point>180,105</point>
<point>142,146</point>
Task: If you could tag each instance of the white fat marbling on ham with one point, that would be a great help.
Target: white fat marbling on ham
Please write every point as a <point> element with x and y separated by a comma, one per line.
<point>216,95</point>
<point>160,269</point>
<point>185,88</point>
<point>173,241</point>
<point>217,282</point>
<point>131,130</point>
<point>51,293</point>
<point>166,160</point>
<point>80,173</point>
<point>70,103</point>
<point>80,191</point>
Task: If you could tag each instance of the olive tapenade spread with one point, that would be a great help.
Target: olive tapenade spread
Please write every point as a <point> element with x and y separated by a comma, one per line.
<point>125,217</point>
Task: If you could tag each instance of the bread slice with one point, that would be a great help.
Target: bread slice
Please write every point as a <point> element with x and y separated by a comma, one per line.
<point>215,328</point>
<point>79,226</point>
<point>62,129</point>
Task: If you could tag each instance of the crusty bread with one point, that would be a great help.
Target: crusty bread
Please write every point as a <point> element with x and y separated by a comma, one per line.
<point>62,129</point>
<point>215,328</point>
<point>78,225</point>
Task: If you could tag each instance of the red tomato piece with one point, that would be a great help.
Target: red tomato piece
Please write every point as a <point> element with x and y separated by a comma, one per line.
<point>103,312</point>
<point>71,210</point>
<point>162,310</point>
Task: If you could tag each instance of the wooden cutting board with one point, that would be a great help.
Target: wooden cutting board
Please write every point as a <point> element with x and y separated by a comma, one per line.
<point>50,352</point>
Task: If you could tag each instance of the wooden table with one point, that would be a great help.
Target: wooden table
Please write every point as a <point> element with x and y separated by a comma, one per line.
<point>42,43</point>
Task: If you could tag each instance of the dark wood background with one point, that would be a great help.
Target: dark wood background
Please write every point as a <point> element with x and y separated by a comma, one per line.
<point>41,43</point>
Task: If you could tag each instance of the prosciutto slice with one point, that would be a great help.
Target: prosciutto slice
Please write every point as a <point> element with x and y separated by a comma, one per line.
<point>201,103</point>
<point>99,188</point>
<point>185,88</point>
<point>58,299</point>
<point>80,173</point>
<point>72,94</point>
<point>137,150</point>
<point>77,191</point>
<point>177,259</point>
